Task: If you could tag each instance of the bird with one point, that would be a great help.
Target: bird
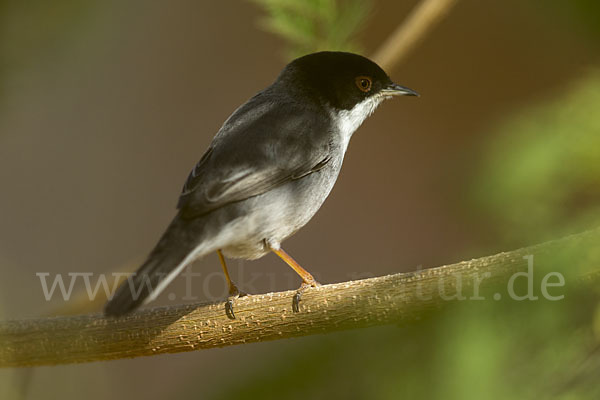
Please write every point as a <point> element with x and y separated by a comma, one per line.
<point>265,174</point>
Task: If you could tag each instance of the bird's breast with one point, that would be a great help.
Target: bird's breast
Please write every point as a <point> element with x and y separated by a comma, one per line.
<point>278,214</point>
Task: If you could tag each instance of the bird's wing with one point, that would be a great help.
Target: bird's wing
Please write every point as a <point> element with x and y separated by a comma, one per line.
<point>260,147</point>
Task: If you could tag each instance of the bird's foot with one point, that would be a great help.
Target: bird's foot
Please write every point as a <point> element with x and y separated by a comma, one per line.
<point>234,293</point>
<point>298,294</point>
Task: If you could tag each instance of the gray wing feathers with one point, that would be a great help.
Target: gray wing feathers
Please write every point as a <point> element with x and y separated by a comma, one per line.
<point>252,154</point>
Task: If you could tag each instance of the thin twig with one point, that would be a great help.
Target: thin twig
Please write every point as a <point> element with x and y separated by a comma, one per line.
<point>423,18</point>
<point>376,301</point>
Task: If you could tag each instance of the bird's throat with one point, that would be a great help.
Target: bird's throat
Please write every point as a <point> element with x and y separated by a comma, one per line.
<point>348,121</point>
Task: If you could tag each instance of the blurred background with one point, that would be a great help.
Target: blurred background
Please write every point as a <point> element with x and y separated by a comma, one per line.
<point>105,106</point>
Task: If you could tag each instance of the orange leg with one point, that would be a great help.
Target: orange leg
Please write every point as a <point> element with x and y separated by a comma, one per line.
<point>307,279</point>
<point>233,290</point>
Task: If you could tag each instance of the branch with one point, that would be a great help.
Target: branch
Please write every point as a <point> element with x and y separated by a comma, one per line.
<point>376,301</point>
<point>427,14</point>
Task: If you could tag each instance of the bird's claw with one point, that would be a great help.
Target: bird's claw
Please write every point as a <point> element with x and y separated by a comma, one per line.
<point>296,302</point>
<point>298,295</point>
<point>233,294</point>
<point>229,309</point>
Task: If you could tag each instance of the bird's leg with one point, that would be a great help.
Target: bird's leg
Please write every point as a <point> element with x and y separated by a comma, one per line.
<point>307,279</point>
<point>233,290</point>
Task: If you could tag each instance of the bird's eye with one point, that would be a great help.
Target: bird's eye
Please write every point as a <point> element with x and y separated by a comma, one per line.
<point>363,83</point>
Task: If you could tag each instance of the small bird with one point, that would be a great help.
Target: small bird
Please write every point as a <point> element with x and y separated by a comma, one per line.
<point>266,173</point>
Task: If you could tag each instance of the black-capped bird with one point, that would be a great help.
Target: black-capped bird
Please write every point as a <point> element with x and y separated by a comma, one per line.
<point>266,173</point>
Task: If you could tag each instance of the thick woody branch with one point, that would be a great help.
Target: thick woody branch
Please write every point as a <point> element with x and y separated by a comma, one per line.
<point>376,301</point>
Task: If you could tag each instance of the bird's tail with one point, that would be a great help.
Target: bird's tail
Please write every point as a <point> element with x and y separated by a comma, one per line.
<point>179,245</point>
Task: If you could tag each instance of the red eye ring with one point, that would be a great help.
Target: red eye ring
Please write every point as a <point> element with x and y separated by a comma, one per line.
<point>363,83</point>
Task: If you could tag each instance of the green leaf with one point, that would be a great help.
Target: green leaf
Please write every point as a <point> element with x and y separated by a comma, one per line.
<point>314,25</point>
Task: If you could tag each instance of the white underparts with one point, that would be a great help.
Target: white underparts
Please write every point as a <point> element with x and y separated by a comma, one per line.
<point>348,121</point>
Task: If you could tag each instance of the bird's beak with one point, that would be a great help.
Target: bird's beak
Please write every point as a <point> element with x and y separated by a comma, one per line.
<point>394,89</point>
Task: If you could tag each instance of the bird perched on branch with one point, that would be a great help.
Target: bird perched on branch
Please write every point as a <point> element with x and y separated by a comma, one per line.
<point>266,173</point>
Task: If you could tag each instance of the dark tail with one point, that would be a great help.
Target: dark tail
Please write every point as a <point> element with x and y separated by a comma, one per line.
<point>163,264</point>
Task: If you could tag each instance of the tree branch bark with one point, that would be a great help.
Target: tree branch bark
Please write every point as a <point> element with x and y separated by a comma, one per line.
<point>368,302</point>
<point>408,34</point>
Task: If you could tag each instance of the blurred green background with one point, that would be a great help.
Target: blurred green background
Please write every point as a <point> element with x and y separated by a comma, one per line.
<point>106,105</point>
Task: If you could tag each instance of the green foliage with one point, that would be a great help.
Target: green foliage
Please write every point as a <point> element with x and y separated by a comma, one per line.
<point>313,25</point>
<point>541,174</point>
<point>583,14</point>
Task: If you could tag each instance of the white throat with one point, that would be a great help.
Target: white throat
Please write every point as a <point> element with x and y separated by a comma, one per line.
<point>348,121</point>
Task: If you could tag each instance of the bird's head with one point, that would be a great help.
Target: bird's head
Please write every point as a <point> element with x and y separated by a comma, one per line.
<point>341,80</point>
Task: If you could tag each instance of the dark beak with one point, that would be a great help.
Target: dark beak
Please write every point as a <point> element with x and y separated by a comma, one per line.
<point>394,89</point>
